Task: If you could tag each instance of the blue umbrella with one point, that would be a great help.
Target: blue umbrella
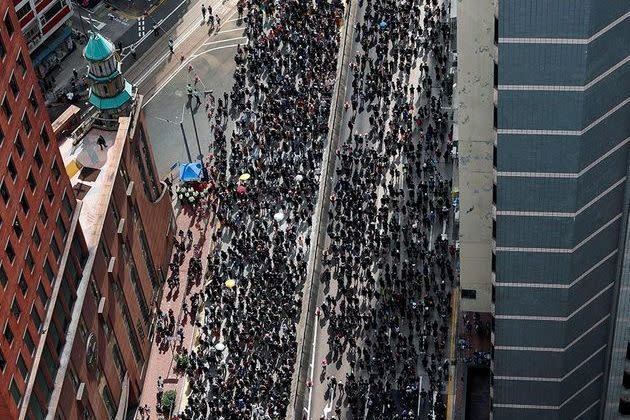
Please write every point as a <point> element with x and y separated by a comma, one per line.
<point>383,24</point>
<point>190,171</point>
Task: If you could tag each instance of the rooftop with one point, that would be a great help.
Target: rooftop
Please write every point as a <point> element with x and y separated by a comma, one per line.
<point>98,48</point>
<point>92,173</point>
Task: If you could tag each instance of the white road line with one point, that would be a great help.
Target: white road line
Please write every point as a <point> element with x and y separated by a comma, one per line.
<point>168,16</point>
<point>310,392</point>
<point>230,30</point>
<point>180,68</point>
<point>177,42</point>
<point>224,40</point>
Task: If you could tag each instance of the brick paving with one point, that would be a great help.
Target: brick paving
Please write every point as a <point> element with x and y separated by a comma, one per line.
<point>161,362</point>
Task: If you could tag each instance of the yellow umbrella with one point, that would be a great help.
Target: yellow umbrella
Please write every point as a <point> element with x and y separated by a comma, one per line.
<point>244,177</point>
<point>230,283</point>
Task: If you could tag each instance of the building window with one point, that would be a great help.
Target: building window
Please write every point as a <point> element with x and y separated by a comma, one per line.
<point>8,24</point>
<point>24,203</point>
<point>67,206</point>
<point>118,361</point>
<point>12,169</point>
<point>30,262</point>
<point>55,170</point>
<point>3,361</point>
<point>109,401</point>
<point>49,271</point>
<point>3,50</point>
<point>31,180</point>
<point>17,228</point>
<point>50,194</point>
<point>8,334</point>
<point>61,227</point>
<point>23,285</point>
<point>67,294</point>
<point>43,215</point>
<point>55,248</point>
<point>14,86</point>
<point>28,340</point>
<point>74,378</point>
<point>19,146</point>
<point>496,75</point>
<point>21,64</point>
<point>1,136</point>
<point>44,136</point>
<point>4,192</point>
<point>94,289</point>
<point>22,367</point>
<point>10,251</point>
<point>51,12</point>
<point>38,159</point>
<point>36,238</point>
<point>37,320</point>
<point>6,108</point>
<point>33,100</point>
<point>15,392</point>
<point>15,309</point>
<point>78,251</point>
<point>23,11</point>
<point>41,293</point>
<point>26,123</point>
<point>4,279</point>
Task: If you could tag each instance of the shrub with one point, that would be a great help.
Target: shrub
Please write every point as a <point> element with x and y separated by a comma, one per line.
<point>168,399</point>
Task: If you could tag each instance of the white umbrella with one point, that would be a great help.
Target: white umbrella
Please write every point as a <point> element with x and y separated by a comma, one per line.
<point>299,177</point>
<point>219,347</point>
<point>278,217</point>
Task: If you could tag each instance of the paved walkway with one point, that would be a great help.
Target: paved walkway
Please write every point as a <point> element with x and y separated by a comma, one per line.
<point>161,361</point>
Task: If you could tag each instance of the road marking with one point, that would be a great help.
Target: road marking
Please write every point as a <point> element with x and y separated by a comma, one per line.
<point>98,25</point>
<point>224,40</point>
<point>176,72</point>
<point>140,27</point>
<point>161,20</point>
<point>230,30</point>
<point>310,392</point>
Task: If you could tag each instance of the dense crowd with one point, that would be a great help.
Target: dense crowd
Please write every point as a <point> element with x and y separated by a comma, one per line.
<point>388,279</point>
<point>266,178</point>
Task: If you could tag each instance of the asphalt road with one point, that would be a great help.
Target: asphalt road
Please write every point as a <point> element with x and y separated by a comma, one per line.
<point>321,404</point>
<point>162,78</point>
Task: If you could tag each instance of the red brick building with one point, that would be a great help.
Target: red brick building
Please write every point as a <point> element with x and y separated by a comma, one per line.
<point>40,238</point>
<point>85,230</point>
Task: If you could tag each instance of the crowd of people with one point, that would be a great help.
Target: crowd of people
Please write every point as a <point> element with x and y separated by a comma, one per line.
<point>266,178</point>
<point>387,278</point>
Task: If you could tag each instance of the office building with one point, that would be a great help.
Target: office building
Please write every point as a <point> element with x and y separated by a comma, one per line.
<point>41,237</point>
<point>560,280</point>
<point>85,253</point>
<point>40,19</point>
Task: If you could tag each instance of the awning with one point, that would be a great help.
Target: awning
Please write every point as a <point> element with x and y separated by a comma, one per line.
<point>190,171</point>
<point>51,45</point>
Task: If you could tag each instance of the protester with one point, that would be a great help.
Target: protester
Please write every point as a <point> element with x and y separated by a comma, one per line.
<point>387,308</point>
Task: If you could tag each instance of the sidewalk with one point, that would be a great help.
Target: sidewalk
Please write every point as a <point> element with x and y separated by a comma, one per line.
<point>161,362</point>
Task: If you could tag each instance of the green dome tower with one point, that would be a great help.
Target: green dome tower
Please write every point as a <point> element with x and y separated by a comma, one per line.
<point>110,93</point>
